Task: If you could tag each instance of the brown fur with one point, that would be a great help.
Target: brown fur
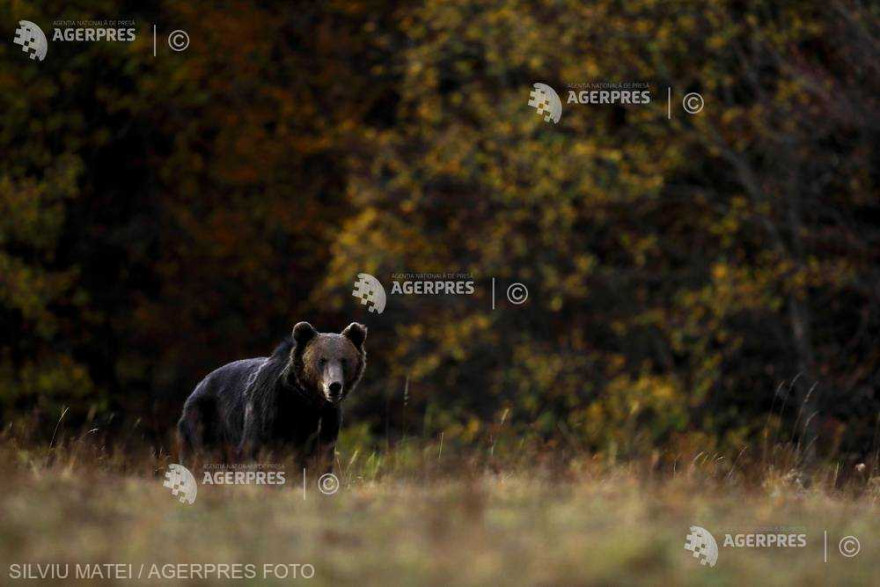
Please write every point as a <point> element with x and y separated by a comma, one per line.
<point>292,399</point>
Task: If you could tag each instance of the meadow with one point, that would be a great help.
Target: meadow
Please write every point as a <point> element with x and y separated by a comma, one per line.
<point>422,514</point>
<point>697,345</point>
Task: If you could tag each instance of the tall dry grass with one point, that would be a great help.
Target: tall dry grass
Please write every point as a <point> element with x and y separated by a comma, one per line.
<point>433,511</point>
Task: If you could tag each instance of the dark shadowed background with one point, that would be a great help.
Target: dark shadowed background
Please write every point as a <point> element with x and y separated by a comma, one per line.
<point>695,283</point>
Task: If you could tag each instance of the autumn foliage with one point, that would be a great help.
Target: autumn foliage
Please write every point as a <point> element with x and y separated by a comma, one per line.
<point>695,281</point>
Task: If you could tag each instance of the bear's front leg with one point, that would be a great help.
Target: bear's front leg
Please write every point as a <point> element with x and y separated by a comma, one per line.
<point>250,437</point>
<point>328,433</point>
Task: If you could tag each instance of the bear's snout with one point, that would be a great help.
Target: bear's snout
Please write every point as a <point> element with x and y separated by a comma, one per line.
<point>333,382</point>
<point>333,391</point>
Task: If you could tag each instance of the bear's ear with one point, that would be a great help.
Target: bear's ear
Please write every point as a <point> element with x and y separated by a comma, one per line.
<point>356,333</point>
<point>303,332</point>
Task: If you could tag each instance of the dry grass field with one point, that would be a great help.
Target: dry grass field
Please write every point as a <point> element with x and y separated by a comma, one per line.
<point>416,516</point>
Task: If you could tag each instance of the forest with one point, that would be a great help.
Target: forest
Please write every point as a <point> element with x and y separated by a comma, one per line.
<point>696,282</point>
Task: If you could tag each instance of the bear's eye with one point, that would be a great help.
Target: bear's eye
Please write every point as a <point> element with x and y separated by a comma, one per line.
<point>322,361</point>
<point>345,362</point>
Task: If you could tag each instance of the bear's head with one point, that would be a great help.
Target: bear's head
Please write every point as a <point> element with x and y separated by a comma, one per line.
<point>328,366</point>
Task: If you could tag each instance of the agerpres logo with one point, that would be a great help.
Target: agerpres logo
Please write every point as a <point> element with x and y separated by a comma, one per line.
<point>701,543</point>
<point>546,103</point>
<point>612,93</point>
<point>243,474</point>
<point>371,293</point>
<point>88,31</point>
<point>32,40</point>
<point>34,43</point>
<point>432,284</point>
<point>181,483</point>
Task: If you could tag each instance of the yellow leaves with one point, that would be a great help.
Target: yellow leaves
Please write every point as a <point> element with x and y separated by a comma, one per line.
<point>633,413</point>
<point>716,42</point>
<point>379,146</point>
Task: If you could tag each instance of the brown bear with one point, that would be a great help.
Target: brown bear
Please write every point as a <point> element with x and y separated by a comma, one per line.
<point>291,400</point>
